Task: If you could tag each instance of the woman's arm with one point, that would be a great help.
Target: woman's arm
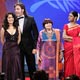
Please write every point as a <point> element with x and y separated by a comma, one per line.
<point>2,35</point>
<point>19,35</point>
<point>79,35</point>
<point>66,37</point>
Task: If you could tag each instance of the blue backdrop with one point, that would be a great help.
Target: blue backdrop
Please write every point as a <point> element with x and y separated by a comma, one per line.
<point>56,10</point>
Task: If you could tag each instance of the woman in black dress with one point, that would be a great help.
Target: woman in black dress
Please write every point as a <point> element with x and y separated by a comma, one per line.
<point>10,38</point>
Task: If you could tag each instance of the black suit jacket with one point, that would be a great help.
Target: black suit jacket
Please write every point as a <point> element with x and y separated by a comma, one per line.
<point>30,33</point>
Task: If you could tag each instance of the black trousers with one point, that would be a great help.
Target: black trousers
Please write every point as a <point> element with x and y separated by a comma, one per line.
<point>30,60</point>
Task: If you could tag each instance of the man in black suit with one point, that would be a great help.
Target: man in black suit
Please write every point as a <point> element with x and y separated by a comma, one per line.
<point>28,38</point>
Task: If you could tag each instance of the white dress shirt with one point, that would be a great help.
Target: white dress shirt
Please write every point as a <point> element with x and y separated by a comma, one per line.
<point>21,23</point>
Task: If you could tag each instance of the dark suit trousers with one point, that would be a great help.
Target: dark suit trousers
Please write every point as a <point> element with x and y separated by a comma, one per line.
<point>30,59</point>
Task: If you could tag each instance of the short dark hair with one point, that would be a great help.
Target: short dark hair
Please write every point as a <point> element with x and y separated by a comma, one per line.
<point>46,21</point>
<point>40,75</point>
<point>22,7</point>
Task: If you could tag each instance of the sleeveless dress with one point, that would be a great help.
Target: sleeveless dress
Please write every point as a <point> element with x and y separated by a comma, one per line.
<point>11,64</point>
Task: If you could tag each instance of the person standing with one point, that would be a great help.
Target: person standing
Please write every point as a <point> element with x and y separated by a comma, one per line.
<point>71,36</point>
<point>48,47</point>
<point>10,39</point>
<point>29,35</point>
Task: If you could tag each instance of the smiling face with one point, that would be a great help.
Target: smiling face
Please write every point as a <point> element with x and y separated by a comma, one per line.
<point>48,25</point>
<point>18,11</point>
<point>10,19</point>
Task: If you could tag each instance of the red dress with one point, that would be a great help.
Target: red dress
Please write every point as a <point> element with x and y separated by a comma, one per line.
<point>72,52</point>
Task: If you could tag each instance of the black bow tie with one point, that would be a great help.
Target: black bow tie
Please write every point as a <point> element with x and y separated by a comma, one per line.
<point>20,18</point>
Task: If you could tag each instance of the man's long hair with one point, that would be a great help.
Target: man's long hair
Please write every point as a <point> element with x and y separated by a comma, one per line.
<point>22,7</point>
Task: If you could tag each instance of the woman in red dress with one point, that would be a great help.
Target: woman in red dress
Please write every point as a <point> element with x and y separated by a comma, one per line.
<point>71,36</point>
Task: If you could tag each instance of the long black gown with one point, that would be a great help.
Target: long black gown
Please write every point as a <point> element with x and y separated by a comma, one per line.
<point>11,64</point>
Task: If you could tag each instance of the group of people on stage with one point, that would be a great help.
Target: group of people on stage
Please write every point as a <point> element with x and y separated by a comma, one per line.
<point>20,38</point>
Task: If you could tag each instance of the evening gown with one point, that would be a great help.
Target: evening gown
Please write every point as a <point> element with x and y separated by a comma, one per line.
<point>11,64</point>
